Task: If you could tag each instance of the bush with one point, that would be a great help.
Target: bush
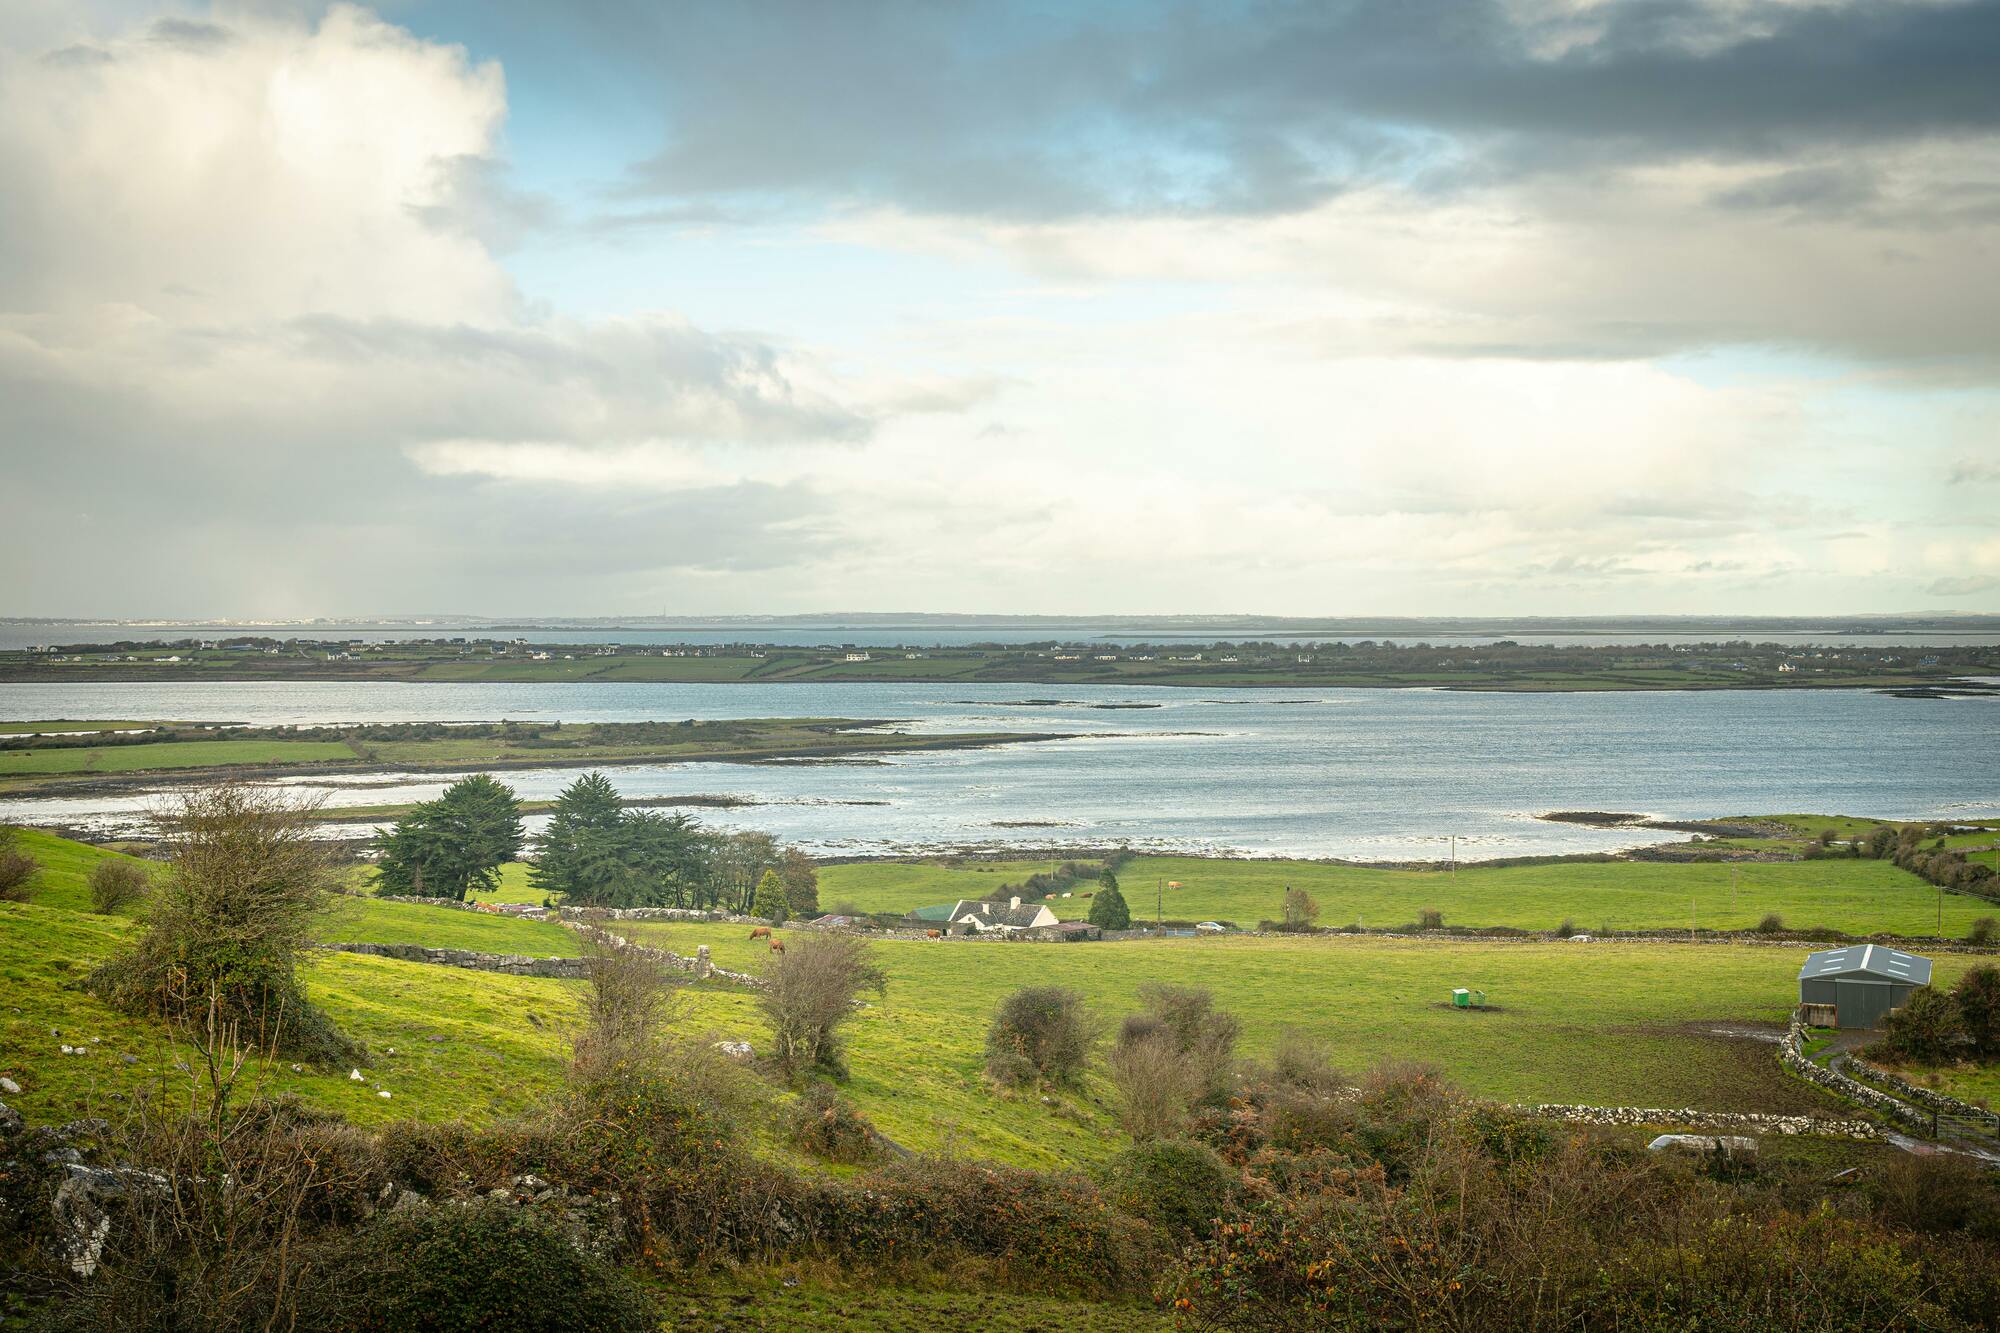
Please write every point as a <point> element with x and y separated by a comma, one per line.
<point>485,1265</point>
<point>116,884</point>
<point>1181,1187</point>
<point>1977,995</point>
<point>1041,1032</point>
<point>1772,924</point>
<point>1566,929</point>
<point>630,999</point>
<point>1304,1061</point>
<point>770,901</point>
<point>808,993</point>
<point>825,1125</point>
<point>247,882</point>
<point>1985,931</point>
<point>17,868</point>
<point>1300,910</point>
<point>1927,1027</point>
<point>1430,919</point>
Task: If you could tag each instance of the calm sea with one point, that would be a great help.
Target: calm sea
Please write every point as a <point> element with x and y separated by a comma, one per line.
<point>1369,774</point>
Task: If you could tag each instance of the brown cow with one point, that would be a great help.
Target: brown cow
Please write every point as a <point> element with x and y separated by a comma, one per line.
<point>933,934</point>
<point>777,945</point>
<point>761,933</point>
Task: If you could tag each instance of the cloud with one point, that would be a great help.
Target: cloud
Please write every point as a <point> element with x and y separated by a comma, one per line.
<point>1013,113</point>
<point>249,272</point>
<point>1966,585</point>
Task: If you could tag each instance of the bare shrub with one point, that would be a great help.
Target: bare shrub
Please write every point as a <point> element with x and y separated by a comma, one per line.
<point>1041,1033</point>
<point>1204,1035</point>
<point>116,884</point>
<point>1304,1061</point>
<point>630,999</point>
<point>1984,932</point>
<point>808,993</point>
<point>1154,1088</point>
<point>17,868</point>
<point>1430,918</point>
<point>1177,1054</point>
<point>1566,929</point>
<point>246,884</point>
<point>1772,924</point>
<point>1300,910</point>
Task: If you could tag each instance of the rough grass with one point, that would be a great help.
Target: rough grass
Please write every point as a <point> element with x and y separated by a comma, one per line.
<point>1856,896</point>
<point>1614,1024</point>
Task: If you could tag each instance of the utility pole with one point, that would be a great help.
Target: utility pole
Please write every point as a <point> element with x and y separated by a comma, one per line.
<point>1454,854</point>
<point>1160,904</point>
<point>1732,890</point>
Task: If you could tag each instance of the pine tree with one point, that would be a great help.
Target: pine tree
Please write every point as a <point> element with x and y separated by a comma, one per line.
<point>453,845</point>
<point>770,901</point>
<point>1108,910</point>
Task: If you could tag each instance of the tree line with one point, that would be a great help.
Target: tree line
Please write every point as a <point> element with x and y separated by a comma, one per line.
<point>595,852</point>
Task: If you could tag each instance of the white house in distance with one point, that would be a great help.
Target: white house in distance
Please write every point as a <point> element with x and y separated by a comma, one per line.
<point>976,914</point>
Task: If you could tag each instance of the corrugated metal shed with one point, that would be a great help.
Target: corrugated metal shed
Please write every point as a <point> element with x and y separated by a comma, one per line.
<point>1863,981</point>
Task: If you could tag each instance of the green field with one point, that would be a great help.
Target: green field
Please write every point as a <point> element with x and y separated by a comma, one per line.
<point>29,763</point>
<point>1858,896</point>
<point>1599,1023</point>
<point>77,759</point>
<point>1606,1023</point>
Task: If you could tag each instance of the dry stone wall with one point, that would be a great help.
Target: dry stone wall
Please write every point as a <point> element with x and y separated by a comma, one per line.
<point>1791,1054</point>
<point>1750,1120</point>
<point>1925,1097</point>
<point>511,964</point>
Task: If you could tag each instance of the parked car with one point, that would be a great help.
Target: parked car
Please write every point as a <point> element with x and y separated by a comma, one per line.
<point>1213,927</point>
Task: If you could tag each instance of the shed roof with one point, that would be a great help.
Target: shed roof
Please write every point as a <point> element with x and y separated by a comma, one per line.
<point>1868,962</point>
<point>938,912</point>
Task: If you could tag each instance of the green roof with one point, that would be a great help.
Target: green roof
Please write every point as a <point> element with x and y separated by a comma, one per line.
<point>941,912</point>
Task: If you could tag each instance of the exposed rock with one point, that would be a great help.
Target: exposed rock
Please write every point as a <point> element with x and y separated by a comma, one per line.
<point>1728,1145</point>
<point>735,1050</point>
<point>9,1087</point>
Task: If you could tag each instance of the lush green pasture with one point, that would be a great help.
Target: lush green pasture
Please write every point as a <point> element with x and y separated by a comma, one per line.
<point>168,754</point>
<point>1601,1023</point>
<point>1852,895</point>
<point>373,921</point>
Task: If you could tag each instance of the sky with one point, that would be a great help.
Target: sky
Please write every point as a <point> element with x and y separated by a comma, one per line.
<point>1420,307</point>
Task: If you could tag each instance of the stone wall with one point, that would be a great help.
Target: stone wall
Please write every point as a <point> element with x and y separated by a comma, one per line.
<point>699,966</point>
<point>511,964</point>
<point>1925,1097</point>
<point>1725,1120</point>
<point>1793,1058</point>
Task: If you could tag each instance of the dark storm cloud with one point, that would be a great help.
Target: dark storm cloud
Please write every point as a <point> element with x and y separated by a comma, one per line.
<point>1019,113</point>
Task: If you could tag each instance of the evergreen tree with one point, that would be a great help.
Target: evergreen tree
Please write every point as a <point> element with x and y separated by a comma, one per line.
<point>801,879</point>
<point>770,902</point>
<point>1108,909</point>
<point>449,847</point>
<point>577,854</point>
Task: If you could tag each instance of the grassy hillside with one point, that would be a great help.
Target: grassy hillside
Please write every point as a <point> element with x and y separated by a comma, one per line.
<point>1605,1023</point>
<point>1851,895</point>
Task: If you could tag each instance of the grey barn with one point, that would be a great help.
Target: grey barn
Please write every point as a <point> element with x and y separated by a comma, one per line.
<point>1862,982</point>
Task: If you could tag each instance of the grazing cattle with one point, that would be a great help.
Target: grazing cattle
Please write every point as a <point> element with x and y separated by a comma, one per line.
<point>933,934</point>
<point>777,945</point>
<point>761,933</point>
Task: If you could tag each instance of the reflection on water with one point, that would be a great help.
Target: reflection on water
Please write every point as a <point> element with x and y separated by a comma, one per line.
<point>1370,774</point>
